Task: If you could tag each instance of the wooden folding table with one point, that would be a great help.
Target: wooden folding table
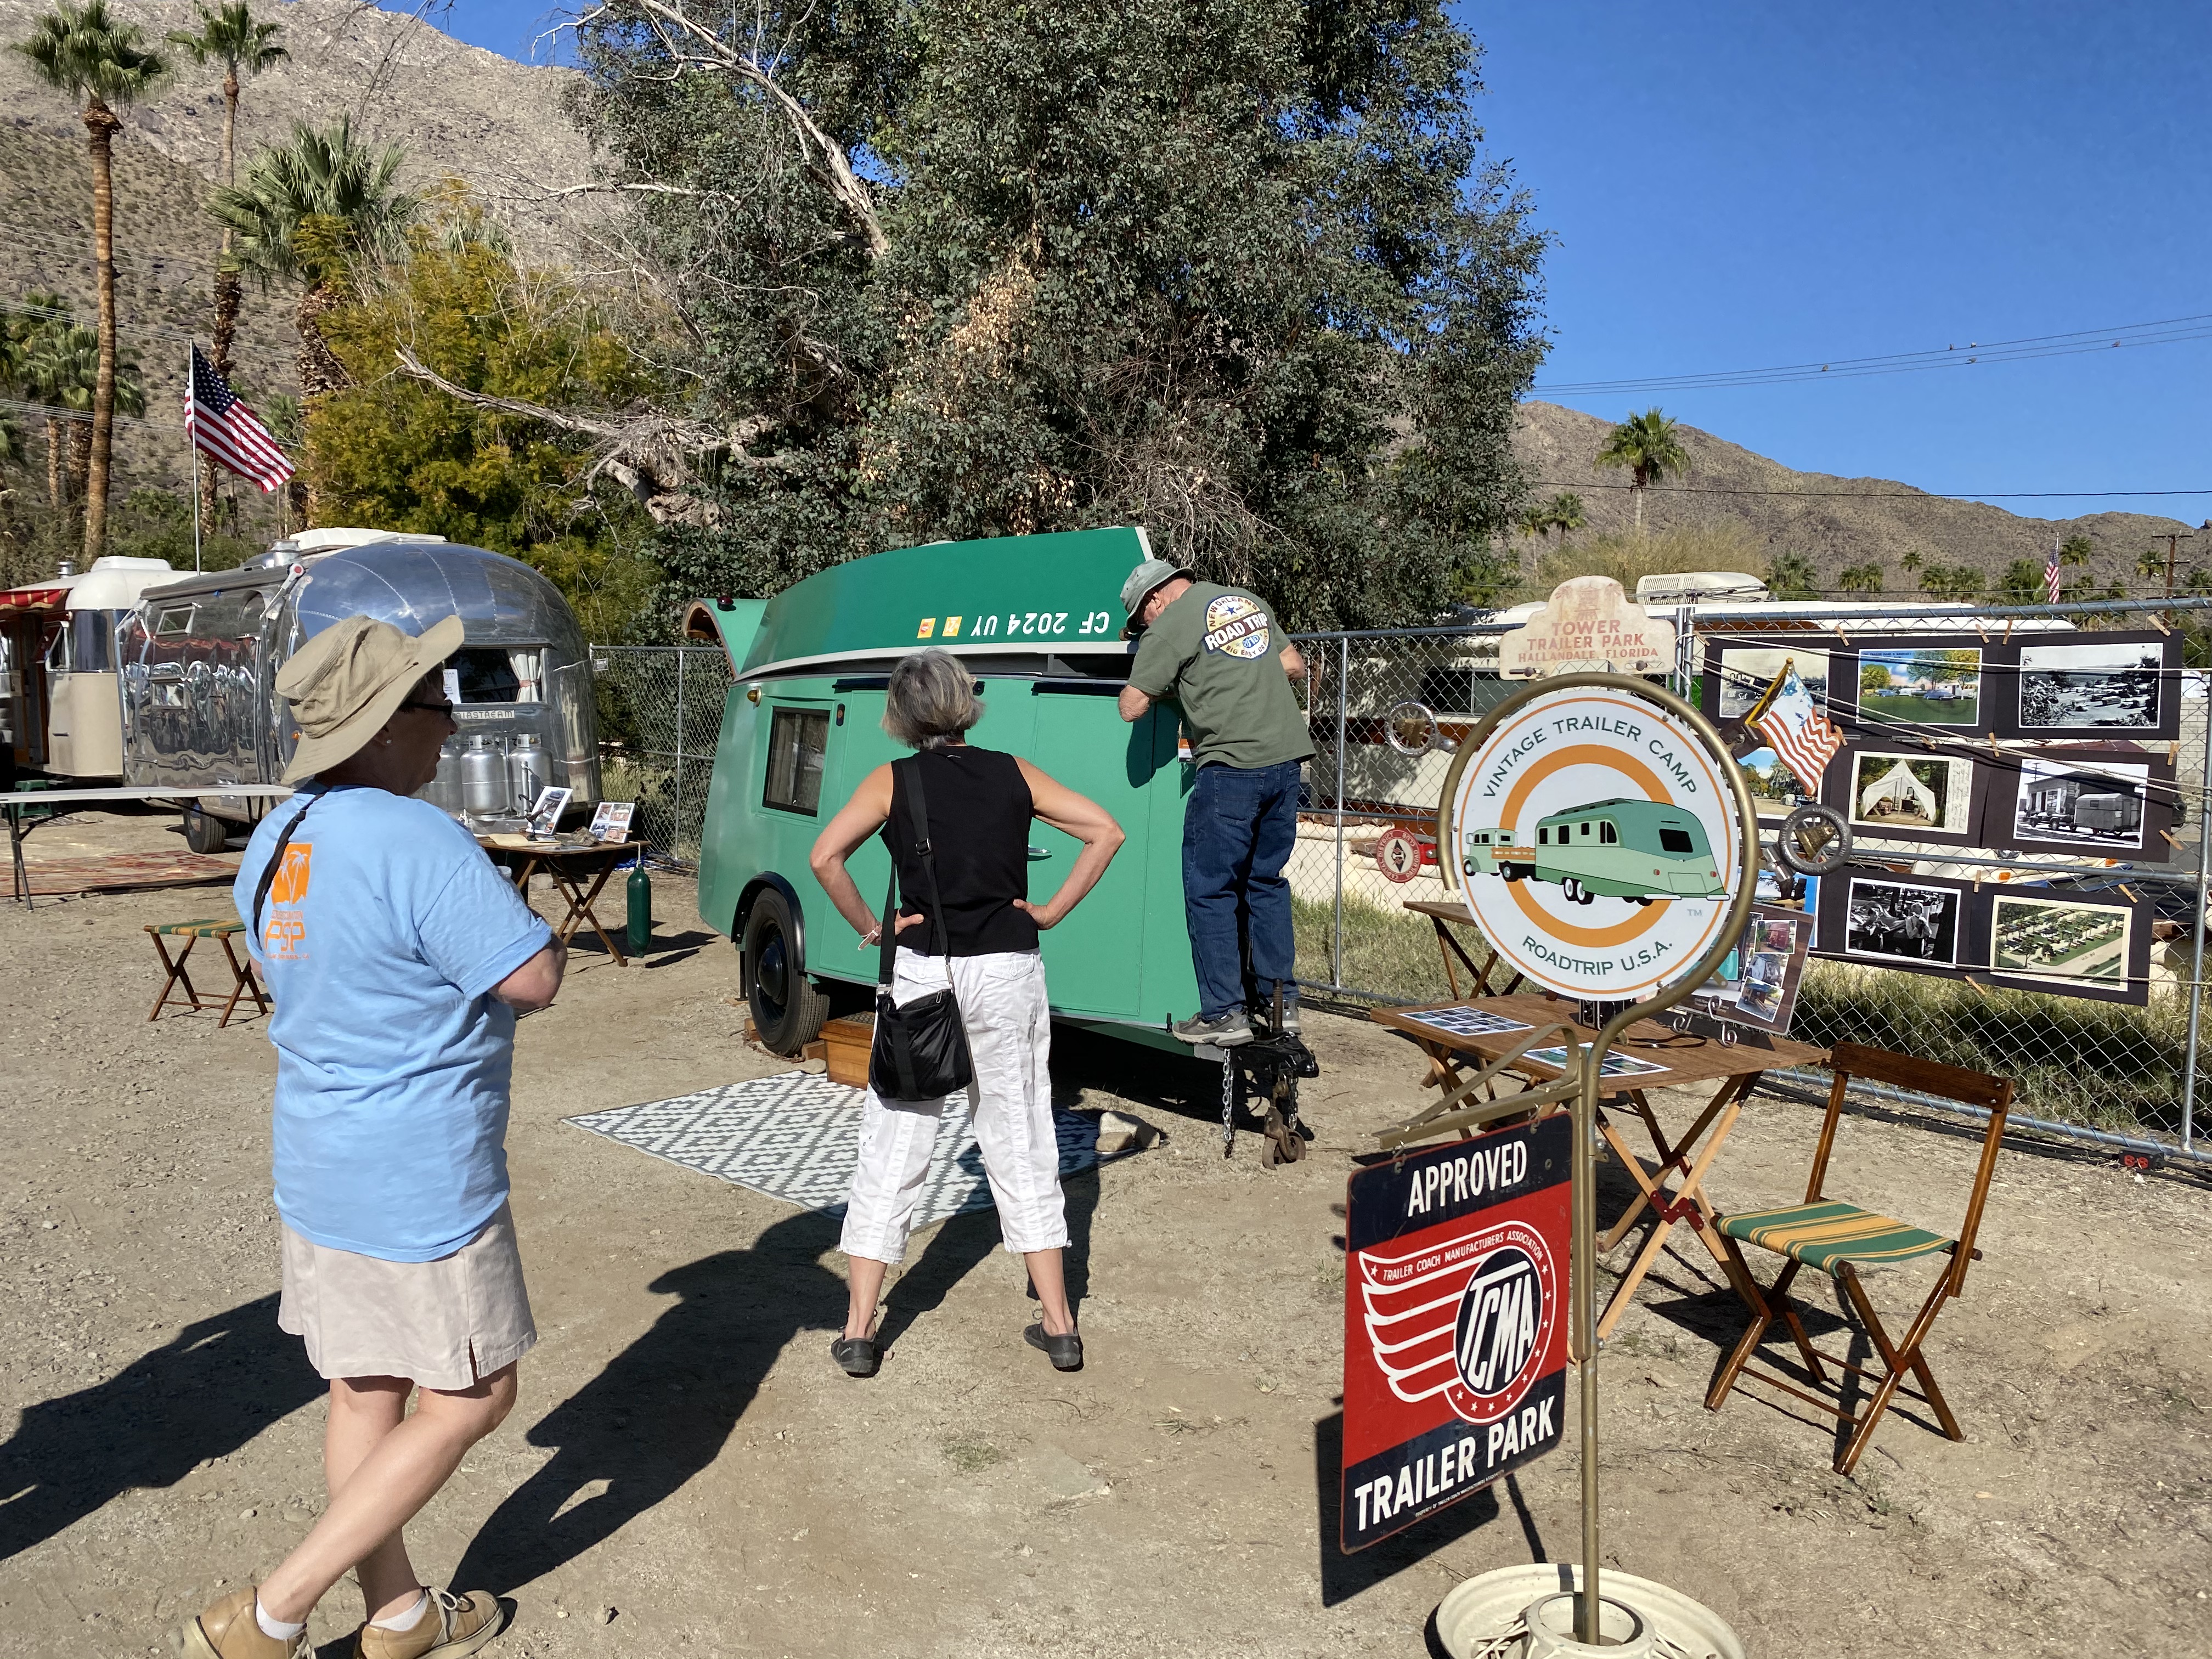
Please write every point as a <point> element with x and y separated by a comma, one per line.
<point>1445,915</point>
<point>1680,1059</point>
<point>567,866</point>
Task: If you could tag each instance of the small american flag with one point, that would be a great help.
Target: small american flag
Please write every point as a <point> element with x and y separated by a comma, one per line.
<point>2050,574</point>
<point>227,431</point>
<point>1804,738</point>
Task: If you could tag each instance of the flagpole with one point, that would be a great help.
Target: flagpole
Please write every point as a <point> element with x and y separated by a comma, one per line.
<point>191,440</point>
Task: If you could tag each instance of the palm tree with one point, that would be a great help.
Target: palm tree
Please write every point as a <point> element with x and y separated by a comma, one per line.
<point>1564,514</point>
<point>1789,576</point>
<point>1861,578</point>
<point>2075,549</point>
<point>1910,562</point>
<point>2022,582</point>
<point>2150,563</point>
<point>307,210</point>
<point>103,63</point>
<point>51,370</point>
<point>229,36</point>
<point>1650,446</point>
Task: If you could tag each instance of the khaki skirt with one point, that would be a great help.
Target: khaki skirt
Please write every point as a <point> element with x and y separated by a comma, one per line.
<point>445,1324</point>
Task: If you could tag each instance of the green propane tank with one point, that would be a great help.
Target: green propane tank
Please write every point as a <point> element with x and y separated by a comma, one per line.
<point>639,888</point>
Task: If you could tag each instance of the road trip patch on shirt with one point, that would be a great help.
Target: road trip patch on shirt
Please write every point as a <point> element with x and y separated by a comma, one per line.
<point>1237,627</point>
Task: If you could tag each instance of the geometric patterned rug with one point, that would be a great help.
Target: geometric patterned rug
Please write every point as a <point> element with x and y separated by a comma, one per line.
<point>796,1136</point>
<point>110,871</point>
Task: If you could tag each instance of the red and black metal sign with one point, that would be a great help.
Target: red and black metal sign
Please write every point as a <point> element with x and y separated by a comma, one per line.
<point>1455,1322</point>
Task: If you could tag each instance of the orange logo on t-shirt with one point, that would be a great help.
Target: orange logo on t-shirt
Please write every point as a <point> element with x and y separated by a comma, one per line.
<point>288,930</point>
<point>290,884</point>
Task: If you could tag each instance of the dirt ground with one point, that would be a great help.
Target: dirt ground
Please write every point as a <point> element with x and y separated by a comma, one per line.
<point>688,1472</point>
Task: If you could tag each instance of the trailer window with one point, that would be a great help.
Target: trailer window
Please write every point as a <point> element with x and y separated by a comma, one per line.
<point>796,739</point>
<point>1607,833</point>
<point>1583,829</point>
<point>172,622</point>
<point>486,674</point>
<point>1675,841</point>
<point>1543,835</point>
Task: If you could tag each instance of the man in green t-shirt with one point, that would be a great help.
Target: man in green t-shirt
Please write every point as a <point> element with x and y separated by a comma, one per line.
<point>1218,654</point>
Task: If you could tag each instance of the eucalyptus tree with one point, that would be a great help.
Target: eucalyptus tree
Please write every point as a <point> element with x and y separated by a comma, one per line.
<point>936,268</point>
<point>230,35</point>
<point>1651,448</point>
<point>105,65</point>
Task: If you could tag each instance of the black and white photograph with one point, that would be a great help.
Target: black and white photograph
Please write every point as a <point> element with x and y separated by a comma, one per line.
<point>2095,804</point>
<point>2091,688</point>
<point>1897,921</point>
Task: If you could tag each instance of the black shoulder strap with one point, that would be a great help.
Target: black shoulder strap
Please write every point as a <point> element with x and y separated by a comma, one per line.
<point>269,875</point>
<point>918,804</point>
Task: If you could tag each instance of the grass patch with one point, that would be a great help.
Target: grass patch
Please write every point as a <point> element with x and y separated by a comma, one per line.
<point>970,1454</point>
<point>1388,954</point>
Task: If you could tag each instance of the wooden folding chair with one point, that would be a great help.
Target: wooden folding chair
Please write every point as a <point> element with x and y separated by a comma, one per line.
<point>1840,1239</point>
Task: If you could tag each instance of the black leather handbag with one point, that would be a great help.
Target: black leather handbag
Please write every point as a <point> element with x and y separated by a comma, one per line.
<point>919,1051</point>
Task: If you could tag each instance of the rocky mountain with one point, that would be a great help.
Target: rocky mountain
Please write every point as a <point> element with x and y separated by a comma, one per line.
<point>460,111</point>
<point>1831,521</point>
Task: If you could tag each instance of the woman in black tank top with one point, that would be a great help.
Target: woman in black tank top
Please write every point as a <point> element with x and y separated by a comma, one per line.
<point>979,806</point>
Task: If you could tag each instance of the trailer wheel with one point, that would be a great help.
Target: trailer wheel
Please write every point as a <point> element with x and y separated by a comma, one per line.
<point>203,831</point>
<point>787,1011</point>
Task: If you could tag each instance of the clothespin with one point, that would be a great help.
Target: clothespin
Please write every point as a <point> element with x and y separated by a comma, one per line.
<point>1980,990</point>
<point>1978,629</point>
<point>2159,622</point>
<point>2170,840</point>
<point>2133,896</point>
<point>1995,754</point>
<point>2010,621</point>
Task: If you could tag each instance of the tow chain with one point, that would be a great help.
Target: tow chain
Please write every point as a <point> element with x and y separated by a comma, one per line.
<point>1227,1104</point>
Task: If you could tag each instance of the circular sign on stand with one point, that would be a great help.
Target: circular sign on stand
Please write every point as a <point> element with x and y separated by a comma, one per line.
<point>1594,841</point>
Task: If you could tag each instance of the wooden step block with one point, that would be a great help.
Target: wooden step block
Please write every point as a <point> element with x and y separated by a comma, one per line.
<point>848,1041</point>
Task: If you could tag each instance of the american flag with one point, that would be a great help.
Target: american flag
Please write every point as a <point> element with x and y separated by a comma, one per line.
<point>227,430</point>
<point>2050,574</point>
<point>1804,738</point>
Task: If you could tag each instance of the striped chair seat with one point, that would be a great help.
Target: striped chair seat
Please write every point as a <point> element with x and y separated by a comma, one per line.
<point>1825,1236</point>
<point>212,927</point>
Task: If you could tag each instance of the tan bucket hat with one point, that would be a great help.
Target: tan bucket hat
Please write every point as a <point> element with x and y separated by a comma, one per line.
<point>351,678</point>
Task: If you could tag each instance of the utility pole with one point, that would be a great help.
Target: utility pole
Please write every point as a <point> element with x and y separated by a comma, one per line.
<point>2172,541</point>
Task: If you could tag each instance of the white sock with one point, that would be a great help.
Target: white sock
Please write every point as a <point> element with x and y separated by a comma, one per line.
<point>410,1619</point>
<point>275,1629</point>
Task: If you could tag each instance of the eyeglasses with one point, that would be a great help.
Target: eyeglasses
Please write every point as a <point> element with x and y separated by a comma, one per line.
<point>445,708</point>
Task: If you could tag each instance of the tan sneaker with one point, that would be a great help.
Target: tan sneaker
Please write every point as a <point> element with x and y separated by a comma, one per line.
<point>452,1626</point>
<point>228,1630</point>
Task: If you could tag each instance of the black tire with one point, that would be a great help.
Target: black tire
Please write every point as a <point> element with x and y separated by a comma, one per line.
<point>203,831</point>
<point>787,1011</point>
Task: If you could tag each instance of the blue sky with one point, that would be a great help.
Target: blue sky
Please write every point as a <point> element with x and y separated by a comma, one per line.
<point>1734,185</point>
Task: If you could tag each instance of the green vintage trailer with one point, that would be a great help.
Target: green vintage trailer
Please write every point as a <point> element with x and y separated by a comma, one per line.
<point>1639,850</point>
<point>1039,618</point>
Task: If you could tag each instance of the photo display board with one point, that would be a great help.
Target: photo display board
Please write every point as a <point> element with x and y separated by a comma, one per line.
<point>1739,669</point>
<point>2030,938</point>
<point>1455,1322</point>
<point>1904,791</point>
<point>2094,686</point>
<point>2113,801</point>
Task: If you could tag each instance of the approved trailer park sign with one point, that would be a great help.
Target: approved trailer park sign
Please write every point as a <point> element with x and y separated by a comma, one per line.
<point>1455,1322</point>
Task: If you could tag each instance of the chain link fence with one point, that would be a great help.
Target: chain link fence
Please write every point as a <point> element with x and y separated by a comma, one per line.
<point>660,712</point>
<point>1388,709</point>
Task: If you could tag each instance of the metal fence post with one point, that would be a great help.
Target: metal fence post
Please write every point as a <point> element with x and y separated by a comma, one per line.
<point>1343,678</point>
<point>2196,933</point>
<point>679,743</point>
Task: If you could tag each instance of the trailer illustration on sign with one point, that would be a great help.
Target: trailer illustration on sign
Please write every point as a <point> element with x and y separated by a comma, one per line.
<point>1455,1346</point>
<point>1637,850</point>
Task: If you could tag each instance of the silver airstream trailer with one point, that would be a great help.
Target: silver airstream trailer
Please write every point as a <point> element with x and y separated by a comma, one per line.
<point>199,661</point>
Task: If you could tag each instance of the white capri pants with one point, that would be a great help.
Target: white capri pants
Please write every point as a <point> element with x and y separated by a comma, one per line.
<point>1009,1024</point>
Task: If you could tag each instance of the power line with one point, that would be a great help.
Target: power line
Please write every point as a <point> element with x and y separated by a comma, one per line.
<point>55,412</point>
<point>1877,495</point>
<point>2167,331</point>
<point>56,313</point>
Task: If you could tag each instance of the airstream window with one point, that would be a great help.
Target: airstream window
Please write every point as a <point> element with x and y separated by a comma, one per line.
<point>1675,841</point>
<point>1543,837</point>
<point>487,675</point>
<point>171,621</point>
<point>796,739</point>
<point>1583,829</point>
<point>1607,833</point>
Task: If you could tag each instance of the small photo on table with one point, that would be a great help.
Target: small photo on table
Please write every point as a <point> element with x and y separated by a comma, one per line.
<point>1467,1022</point>
<point>1614,1065</point>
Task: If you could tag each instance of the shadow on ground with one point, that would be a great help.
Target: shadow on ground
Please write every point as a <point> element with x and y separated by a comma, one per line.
<point>219,1383</point>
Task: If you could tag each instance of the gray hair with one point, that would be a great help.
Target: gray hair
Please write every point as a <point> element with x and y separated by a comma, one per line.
<point>932,699</point>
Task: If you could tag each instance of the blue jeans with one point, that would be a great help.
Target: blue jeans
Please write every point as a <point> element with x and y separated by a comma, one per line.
<point>1238,828</point>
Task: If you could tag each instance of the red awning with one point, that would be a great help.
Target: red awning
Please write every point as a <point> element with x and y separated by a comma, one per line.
<point>33,598</point>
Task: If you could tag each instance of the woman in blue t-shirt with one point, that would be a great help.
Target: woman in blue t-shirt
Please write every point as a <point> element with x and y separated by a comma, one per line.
<point>397,957</point>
